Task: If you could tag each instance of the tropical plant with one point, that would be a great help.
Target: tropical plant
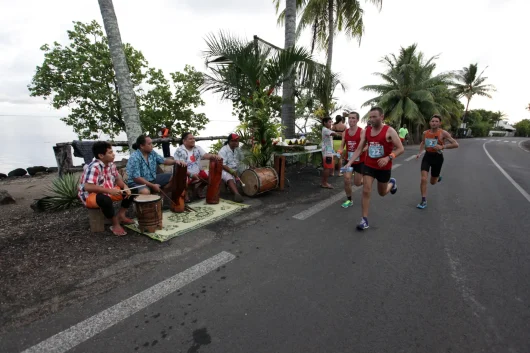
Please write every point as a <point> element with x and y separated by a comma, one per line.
<point>522,128</point>
<point>216,147</point>
<point>64,194</point>
<point>411,92</point>
<point>468,84</point>
<point>326,17</point>
<point>260,126</point>
<point>481,121</point>
<point>81,76</point>
<point>238,68</point>
<point>131,115</point>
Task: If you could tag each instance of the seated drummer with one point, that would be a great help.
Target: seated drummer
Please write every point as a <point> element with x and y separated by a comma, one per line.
<point>192,155</point>
<point>232,156</point>
<point>101,185</point>
<point>141,168</point>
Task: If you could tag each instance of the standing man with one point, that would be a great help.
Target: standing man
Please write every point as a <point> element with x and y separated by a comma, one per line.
<point>403,132</point>
<point>351,139</point>
<point>327,149</point>
<point>381,140</point>
<point>434,142</point>
<point>164,133</point>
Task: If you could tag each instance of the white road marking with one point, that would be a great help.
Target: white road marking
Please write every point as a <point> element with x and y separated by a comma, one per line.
<point>412,157</point>
<point>328,202</point>
<point>506,141</point>
<point>514,141</point>
<point>90,327</point>
<point>521,147</point>
<point>514,183</point>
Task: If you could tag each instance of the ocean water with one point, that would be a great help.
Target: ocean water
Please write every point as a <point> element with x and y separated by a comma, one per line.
<point>28,141</point>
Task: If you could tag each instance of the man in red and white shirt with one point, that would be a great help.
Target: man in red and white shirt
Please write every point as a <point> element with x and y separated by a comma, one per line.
<point>101,185</point>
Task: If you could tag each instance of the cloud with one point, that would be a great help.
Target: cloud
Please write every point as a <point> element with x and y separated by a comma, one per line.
<point>233,6</point>
<point>171,34</point>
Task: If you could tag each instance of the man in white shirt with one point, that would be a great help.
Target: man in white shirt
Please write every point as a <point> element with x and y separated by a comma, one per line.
<point>231,155</point>
<point>327,151</point>
<point>192,156</point>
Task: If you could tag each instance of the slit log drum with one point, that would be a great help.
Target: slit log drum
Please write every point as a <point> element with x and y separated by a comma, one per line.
<point>214,181</point>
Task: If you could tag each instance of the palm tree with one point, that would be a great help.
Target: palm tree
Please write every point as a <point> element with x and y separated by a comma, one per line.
<point>468,85</point>
<point>131,116</point>
<point>411,92</point>
<point>242,67</point>
<point>326,17</point>
<point>288,108</point>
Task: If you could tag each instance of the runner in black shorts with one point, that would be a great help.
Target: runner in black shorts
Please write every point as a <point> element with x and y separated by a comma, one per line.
<point>383,147</point>
<point>382,176</point>
<point>351,139</point>
<point>434,142</point>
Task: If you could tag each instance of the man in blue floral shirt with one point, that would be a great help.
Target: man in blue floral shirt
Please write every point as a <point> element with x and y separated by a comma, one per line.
<point>141,167</point>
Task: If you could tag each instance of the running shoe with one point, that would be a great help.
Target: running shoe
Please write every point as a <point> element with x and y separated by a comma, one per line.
<point>440,178</point>
<point>422,205</point>
<point>394,188</point>
<point>347,203</point>
<point>363,225</point>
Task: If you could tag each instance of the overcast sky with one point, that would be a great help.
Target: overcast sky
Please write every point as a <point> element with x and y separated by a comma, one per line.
<point>171,34</point>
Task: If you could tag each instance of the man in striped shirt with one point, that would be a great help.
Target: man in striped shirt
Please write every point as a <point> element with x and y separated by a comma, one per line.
<point>101,185</point>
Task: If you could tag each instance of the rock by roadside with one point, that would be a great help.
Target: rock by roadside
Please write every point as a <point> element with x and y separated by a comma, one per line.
<point>5,198</point>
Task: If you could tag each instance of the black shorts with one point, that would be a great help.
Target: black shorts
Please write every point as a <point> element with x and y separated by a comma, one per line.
<point>432,161</point>
<point>382,176</point>
<point>358,168</point>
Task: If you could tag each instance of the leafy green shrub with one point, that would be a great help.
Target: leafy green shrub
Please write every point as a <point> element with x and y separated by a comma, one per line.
<point>216,147</point>
<point>64,194</point>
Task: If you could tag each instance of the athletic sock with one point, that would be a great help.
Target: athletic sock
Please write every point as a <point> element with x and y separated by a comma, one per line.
<point>423,199</point>
<point>349,198</point>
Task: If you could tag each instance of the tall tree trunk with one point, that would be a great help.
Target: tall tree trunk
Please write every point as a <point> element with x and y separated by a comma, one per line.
<point>465,112</point>
<point>131,117</point>
<point>288,107</point>
<point>465,115</point>
<point>330,34</point>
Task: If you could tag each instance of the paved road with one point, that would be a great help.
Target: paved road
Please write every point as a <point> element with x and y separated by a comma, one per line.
<point>454,277</point>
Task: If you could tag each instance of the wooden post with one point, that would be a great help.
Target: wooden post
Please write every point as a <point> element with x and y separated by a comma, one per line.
<point>279,166</point>
<point>63,157</point>
<point>96,219</point>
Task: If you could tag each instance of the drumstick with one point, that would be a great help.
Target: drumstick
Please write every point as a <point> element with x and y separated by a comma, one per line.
<point>187,208</point>
<point>238,179</point>
<point>134,187</point>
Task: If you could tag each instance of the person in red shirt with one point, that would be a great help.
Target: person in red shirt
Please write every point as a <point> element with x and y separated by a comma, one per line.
<point>101,185</point>
<point>381,140</point>
<point>164,133</point>
<point>434,142</point>
<point>351,139</point>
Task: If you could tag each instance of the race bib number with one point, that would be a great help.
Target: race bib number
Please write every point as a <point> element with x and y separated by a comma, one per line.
<point>376,151</point>
<point>431,143</point>
<point>350,155</point>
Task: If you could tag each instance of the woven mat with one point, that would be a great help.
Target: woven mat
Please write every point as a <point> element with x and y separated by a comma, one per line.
<point>176,224</point>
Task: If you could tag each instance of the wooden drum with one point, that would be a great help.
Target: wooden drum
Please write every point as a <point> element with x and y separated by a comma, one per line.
<point>149,212</point>
<point>259,180</point>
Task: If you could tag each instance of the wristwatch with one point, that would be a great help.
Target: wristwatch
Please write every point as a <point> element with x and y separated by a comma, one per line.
<point>390,157</point>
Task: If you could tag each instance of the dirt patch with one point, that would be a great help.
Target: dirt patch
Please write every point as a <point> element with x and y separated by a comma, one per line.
<point>47,258</point>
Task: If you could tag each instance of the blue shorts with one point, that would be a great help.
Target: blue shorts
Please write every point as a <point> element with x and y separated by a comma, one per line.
<point>161,179</point>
